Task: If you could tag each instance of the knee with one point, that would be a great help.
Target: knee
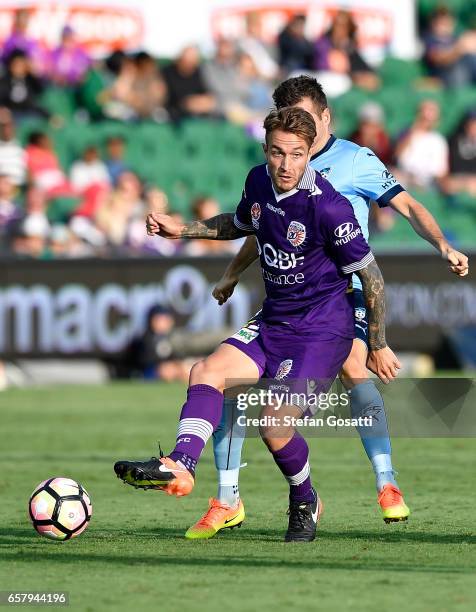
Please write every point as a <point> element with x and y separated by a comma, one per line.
<point>354,371</point>
<point>204,372</point>
<point>265,430</point>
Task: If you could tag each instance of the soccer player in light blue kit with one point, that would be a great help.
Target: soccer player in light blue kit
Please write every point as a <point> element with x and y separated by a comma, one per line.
<point>360,176</point>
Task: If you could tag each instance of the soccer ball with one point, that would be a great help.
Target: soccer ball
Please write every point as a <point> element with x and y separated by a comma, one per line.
<point>60,508</point>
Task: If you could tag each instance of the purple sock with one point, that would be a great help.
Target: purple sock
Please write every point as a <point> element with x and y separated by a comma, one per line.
<point>293,462</point>
<point>199,418</point>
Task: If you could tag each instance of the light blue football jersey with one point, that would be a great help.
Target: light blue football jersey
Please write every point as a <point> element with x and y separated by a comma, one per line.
<point>359,175</point>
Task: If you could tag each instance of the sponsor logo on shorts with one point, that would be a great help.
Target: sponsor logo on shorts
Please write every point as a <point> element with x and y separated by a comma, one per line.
<point>296,233</point>
<point>345,233</point>
<point>246,335</point>
<point>284,369</point>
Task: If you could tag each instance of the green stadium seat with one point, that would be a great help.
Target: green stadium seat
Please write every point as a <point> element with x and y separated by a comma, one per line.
<point>61,209</point>
<point>59,101</point>
<point>26,126</point>
<point>89,92</point>
<point>394,71</point>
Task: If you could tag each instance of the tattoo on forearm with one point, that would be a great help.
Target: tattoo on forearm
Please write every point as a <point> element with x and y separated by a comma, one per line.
<point>220,227</point>
<point>374,295</point>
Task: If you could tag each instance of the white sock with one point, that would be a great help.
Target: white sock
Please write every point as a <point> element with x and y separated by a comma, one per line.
<point>384,472</point>
<point>228,491</point>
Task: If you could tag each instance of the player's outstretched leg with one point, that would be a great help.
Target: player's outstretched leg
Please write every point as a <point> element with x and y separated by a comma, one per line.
<point>175,474</point>
<point>366,400</point>
<point>200,416</point>
<point>226,511</point>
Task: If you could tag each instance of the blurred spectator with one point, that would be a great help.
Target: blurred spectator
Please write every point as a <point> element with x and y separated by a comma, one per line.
<point>69,62</point>
<point>117,99</point>
<point>221,74</point>
<point>138,91</point>
<point>422,152</point>
<point>206,207</point>
<point>450,57</point>
<point>253,96</point>
<point>86,240</point>
<point>137,237</point>
<point>19,88</point>
<point>31,232</point>
<point>12,155</point>
<point>253,45</point>
<point>44,167</point>
<point>9,210</point>
<point>115,163</point>
<point>149,91</point>
<point>29,238</point>
<point>295,50</point>
<point>19,40</point>
<point>152,353</point>
<point>89,170</point>
<point>119,208</point>
<point>188,95</point>
<point>336,52</point>
<point>241,94</point>
<point>463,157</point>
<point>371,131</point>
<point>59,242</point>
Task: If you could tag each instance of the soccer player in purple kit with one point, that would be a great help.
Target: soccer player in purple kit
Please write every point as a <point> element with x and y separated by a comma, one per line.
<point>306,327</point>
<point>358,174</point>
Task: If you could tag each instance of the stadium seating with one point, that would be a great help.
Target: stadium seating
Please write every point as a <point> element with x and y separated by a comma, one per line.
<point>212,157</point>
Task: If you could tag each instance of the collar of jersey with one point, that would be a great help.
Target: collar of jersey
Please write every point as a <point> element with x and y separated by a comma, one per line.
<point>327,146</point>
<point>307,181</point>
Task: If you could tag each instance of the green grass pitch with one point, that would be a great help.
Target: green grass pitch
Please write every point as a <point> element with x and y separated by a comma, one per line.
<point>133,555</point>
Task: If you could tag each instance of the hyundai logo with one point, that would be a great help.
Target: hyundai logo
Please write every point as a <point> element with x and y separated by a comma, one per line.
<point>343,230</point>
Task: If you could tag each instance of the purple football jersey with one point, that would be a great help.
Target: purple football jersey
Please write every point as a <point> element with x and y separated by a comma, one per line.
<point>309,243</point>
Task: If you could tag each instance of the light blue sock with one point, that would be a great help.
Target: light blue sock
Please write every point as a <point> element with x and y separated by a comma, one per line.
<point>365,400</point>
<point>228,441</point>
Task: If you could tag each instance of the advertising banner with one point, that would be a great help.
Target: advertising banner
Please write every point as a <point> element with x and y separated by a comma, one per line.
<point>163,28</point>
<point>95,307</point>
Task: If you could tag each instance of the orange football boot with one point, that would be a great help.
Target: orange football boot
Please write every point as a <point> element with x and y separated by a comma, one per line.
<point>392,504</point>
<point>218,516</point>
<point>161,473</point>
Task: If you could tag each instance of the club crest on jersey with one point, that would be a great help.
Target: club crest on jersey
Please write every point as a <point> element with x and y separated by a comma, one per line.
<point>296,233</point>
<point>284,369</point>
<point>255,214</point>
<point>325,172</point>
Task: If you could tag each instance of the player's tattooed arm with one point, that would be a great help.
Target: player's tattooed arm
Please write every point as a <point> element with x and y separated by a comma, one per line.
<point>221,227</point>
<point>374,295</point>
<point>381,360</point>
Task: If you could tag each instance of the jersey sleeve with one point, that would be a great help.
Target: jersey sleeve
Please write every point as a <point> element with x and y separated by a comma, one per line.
<point>242,218</point>
<point>344,237</point>
<point>371,179</point>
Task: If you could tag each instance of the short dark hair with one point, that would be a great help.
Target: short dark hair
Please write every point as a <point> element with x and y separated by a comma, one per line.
<point>293,90</point>
<point>294,120</point>
<point>36,137</point>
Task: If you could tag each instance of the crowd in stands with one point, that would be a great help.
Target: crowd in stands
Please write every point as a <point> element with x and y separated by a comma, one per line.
<point>106,200</point>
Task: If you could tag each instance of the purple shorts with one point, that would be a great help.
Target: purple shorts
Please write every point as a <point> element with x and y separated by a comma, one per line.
<point>285,354</point>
